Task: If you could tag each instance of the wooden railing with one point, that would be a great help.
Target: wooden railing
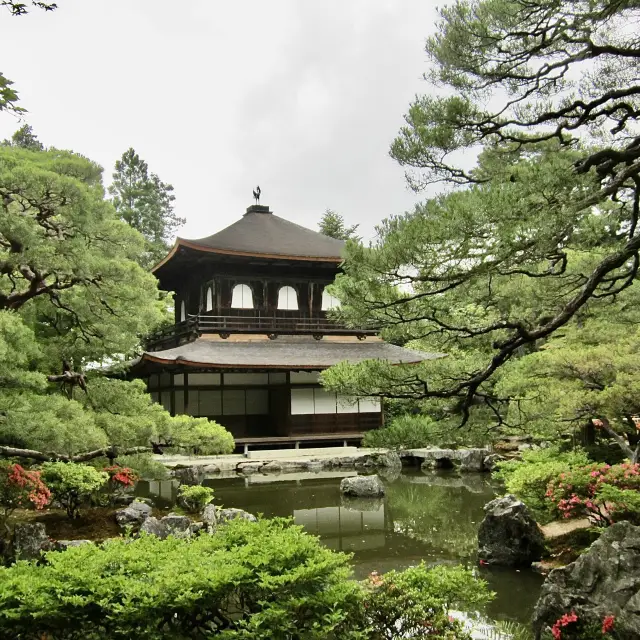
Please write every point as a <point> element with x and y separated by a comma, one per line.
<point>265,323</point>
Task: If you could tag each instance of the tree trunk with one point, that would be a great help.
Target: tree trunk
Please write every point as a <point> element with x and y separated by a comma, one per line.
<point>111,452</point>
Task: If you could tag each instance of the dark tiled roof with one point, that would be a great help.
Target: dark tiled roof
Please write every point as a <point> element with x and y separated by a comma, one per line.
<point>286,352</point>
<point>262,233</point>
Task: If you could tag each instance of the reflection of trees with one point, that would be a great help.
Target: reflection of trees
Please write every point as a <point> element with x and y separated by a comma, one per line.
<point>444,518</point>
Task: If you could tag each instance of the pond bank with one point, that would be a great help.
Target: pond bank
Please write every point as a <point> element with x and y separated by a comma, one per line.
<point>191,469</point>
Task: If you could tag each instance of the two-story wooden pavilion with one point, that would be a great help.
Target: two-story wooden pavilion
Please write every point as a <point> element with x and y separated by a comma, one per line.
<point>251,335</point>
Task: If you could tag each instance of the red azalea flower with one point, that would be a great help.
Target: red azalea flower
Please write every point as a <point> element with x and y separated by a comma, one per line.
<point>607,624</point>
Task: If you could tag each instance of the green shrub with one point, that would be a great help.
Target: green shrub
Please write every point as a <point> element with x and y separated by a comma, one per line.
<point>72,484</point>
<point>202,436</point>
<point>250,581</point>
<point>414,603</point>
<point>195,498</point>
<point>528,479</point>
<point>602,492</point>
<point>405,432</point>
<point>418,431</point>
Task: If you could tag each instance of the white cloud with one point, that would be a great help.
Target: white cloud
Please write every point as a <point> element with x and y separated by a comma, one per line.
<point>303,98</point>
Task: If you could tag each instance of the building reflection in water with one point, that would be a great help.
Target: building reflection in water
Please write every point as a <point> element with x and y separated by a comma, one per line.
<point>344,528</point>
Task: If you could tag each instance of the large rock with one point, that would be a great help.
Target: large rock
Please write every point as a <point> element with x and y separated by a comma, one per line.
<point>134,515</point>
<point>29,541</point>
<point>491,461</point>
<point>509,535</point>
<point>249,468</point>
<point>154,527</point>
<point>63,545</point>
<point>189,475</point>
<point>362,487</point>
<point>224,515</point>
<point>171,525</point>
<point>379,460</point>
<point>472,459</point>
<point>210,517</point>
<point>177,526</point>
<point>603,581</point>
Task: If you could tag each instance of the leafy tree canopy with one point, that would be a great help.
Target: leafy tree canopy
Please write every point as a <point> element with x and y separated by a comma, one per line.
<point>332,224</point>
<point>539,234</point>
<point>72,296</point>
<point>25,138</point>
<point>143,201</point>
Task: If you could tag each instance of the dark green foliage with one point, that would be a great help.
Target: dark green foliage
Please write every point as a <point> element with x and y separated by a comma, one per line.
<point>416,431</point>
<point>252,581</point>
<point>143,201</point>
<point>265,580</point>
<point>524,272</point>
<point>72,295</point>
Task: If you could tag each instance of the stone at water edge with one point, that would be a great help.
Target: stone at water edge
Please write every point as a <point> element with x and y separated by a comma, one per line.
<point>603,581</point>
<point>472,459</point>
<point>380,459</point>
<point>135,514</point>
<point>508,535</point>
<point>224,515</point>
<point>362,487</point>
<point>189,475</point>
<point>492,460</point>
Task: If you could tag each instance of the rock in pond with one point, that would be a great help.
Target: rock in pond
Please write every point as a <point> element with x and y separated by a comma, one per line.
<point>362,487</point>
<point>135,514</point>
<point>508,535</point>
<point>604,581</point>
<point>224,515</point>
<point>189,475</point>
<point>29,541</point>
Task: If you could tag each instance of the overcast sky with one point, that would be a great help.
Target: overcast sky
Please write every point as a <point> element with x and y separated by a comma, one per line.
<point>300,96</point>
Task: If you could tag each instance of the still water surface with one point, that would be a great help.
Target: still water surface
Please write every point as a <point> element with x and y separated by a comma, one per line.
<point>431,516</point>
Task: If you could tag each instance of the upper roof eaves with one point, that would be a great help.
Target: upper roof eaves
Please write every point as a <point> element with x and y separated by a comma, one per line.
<point>261,233</point>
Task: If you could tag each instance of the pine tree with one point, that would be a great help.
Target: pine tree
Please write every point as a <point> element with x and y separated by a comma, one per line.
<point>332,224</point>
<point>25,139</point>
<point>144,202</point>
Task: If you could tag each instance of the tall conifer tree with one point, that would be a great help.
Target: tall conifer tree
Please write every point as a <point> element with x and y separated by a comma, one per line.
<point>144,202</point>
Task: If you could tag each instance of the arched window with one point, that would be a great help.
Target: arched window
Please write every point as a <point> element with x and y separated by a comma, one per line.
<point>208,306</point>
<point>328,301</point>
<point>287,299</point>
<point>242,298</point>
<point>183,311</point>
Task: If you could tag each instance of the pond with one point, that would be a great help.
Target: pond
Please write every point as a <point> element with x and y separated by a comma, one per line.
<point>432,516</point>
